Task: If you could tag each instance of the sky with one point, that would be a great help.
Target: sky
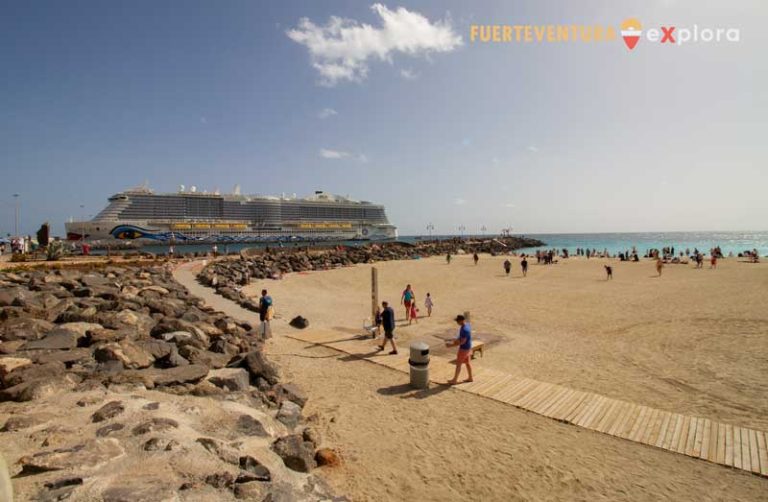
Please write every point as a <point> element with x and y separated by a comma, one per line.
<point>392,103</point>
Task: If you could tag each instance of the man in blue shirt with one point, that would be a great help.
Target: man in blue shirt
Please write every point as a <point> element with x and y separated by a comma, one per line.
<point>388,322</point>
<point>464,355</point>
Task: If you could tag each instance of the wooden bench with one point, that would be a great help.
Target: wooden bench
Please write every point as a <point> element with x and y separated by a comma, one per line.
<point>477,346</point>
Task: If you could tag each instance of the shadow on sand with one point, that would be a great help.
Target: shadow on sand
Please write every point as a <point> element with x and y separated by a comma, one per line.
<point>405,391</point>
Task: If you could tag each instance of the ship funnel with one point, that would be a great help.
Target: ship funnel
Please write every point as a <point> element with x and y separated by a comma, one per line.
<point>181,188</point>
<point>236,190</point>
<point>193,189</point>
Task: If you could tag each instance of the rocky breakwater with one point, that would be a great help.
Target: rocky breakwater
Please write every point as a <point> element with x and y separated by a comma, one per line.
<point>229,275</point>
<point>117,384</point>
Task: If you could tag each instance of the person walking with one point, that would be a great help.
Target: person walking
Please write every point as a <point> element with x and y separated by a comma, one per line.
<point>464,354</point>
<point>476,258</point>
<point>524,266</point>
<point>507,266</point>
<point>388,323</point>
<point>428,303</point>
<point>266,312</point>
<point>659,266</point>
<point>408,297</point>
<point>448,258</point>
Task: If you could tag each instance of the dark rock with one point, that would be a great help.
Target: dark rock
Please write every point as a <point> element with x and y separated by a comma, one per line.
<point>156,348</point>
<point>220,480</point>
<point>156,424</point>
<point>85,456</point>
<point>18,423</point>
<point>178,375</point>
<point>52,371</point>
<point>219,449</point>
<point>297,454</point>
<point>312,435</point>
<point>258,366</point>
<point>289,414</point>
<point>151,406</point>
<point>67,357</point>
<point>299,322</point>
<point>109,410</point>
<point>250,426</point>
<point>55,340</point>
<point>293,392</point>
<point>61,483</point>
<point>232,379</point>
<point>254,469</point>
<point>109,429</point>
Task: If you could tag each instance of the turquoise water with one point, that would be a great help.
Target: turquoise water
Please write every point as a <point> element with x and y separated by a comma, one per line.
<point>735,242</point>
<point>729,242</point>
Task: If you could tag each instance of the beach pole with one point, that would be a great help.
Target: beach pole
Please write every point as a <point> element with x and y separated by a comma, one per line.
<point>374,292</point>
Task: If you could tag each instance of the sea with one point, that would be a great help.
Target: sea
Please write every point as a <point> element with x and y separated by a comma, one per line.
<point>729,242</point>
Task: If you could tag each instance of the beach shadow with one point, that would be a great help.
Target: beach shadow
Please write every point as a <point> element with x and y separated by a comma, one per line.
<point>405,391</point>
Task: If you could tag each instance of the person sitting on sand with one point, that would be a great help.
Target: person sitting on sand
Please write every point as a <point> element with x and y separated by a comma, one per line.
<point>524,266</point>
<point>406,299</point>
<point>464,354</point>
<point>608,272</point>
<point>507,266</point>
<point>429,304</point>
<point>388,321</point>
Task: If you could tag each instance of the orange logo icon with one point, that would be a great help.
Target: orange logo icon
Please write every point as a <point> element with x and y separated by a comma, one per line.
<point>631,29</point>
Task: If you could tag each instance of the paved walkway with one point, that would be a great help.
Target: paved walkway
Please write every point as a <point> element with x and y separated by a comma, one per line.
<point>697,437</point>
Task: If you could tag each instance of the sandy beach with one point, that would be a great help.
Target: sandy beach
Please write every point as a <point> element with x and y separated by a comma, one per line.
<point>690,342</point>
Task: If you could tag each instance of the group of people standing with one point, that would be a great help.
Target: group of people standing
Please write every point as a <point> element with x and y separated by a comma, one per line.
<point>385,319</point>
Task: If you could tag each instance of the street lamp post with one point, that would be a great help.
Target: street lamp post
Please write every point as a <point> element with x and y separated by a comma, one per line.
<point>430,227</point>
<point>16,214</point>
<point>82,227</point>
<point>461,230</point>
<point>483,229</point>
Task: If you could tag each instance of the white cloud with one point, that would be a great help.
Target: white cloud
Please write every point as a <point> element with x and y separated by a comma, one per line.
<point>510,204</point>
<point>341,49</point>
<point>326,112</point>
<point>408,74</point>
<point>334,154</point>
<point>459,202</point>
<point>532,149</point>
<point>327,153</point>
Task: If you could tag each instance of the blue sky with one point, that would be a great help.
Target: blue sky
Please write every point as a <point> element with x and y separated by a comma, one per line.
<point>96,97</point>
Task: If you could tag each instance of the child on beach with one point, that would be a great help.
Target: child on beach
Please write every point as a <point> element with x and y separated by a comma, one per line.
<point>414,313</point>
<point>428,304</point>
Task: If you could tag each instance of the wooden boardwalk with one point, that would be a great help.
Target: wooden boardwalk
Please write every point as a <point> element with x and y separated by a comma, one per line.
<point>697,437</point>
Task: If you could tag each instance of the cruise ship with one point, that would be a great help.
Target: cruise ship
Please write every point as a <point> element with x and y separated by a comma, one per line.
<point>189,216</point>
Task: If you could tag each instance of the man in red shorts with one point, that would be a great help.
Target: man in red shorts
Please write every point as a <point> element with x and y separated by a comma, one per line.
<point>464,355</point>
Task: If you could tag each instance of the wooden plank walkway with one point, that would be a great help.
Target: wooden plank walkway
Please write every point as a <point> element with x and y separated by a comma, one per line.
<point>702,438</point>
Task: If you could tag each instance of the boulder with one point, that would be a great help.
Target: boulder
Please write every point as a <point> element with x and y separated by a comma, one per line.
<point>289,414</point>
<point>109,410</point>
<point>250,426</point>
<point>55,340</point>
<point>178,375</point>
<point>299,322</point>
<point>38,389</point>
<point>8,364</point>
<point>293,392</point>
<point>84,456</point>
<point>252,470</point>
<point>155,424</point>
<point>258,366</point>
<point>219,449</point>
<point>232,379</point>
<point>109,429</point>
<point>129,354</point>
<point>297,454</point>
<point>19,422</point>
<point>130,489</point>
